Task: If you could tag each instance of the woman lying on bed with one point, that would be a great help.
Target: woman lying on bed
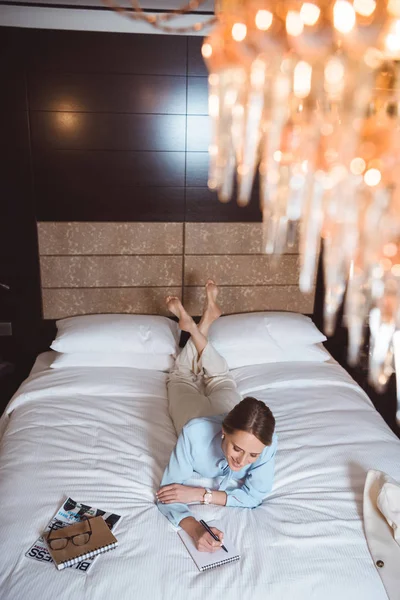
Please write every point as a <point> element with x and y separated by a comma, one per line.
<point>220,435</point>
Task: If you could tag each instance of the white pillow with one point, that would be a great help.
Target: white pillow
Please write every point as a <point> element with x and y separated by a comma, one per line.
<point>264,330</point>
<point>150,362</point>
<point>293,328</point>
<point>142,334</point>
<point>243,358</point>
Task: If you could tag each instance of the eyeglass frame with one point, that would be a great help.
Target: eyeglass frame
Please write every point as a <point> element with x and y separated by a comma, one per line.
<point>69,537</point>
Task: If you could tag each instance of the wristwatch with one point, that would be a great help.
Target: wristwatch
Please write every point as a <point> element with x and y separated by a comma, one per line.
<point>207,496</point>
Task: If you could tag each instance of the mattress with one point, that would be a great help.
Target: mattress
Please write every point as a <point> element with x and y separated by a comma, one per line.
<point>104,436</point>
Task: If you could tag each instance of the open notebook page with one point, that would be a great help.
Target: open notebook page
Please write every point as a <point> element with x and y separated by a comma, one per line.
<point>209,560</point>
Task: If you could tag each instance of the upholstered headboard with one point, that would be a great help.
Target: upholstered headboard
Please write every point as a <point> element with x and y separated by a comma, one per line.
<point>130,267</point>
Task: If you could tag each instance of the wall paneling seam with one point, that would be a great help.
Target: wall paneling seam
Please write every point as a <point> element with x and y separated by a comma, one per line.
<point>184,176</point>
<point>32,186</point>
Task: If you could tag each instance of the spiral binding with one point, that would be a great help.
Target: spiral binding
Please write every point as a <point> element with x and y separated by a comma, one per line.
<point>220,562</point>
<point>92,554</point>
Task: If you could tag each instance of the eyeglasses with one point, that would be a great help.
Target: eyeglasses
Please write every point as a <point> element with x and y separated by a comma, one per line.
<point>80,539</point>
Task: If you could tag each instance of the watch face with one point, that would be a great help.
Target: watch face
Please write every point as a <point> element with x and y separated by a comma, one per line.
<point>207,497</point>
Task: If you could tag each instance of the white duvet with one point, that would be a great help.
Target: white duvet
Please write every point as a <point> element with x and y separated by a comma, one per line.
<point>104,436</point>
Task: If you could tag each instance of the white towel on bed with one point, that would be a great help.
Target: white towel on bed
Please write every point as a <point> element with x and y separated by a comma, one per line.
<point>381,523</point>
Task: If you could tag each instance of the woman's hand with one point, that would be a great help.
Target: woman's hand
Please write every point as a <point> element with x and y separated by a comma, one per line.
<point>204,542</point>
<point>176,492</point>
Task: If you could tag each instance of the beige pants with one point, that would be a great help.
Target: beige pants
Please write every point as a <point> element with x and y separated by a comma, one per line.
<point>200,387</point>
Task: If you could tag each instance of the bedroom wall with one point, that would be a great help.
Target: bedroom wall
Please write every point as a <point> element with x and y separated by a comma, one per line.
<point>117,140</point>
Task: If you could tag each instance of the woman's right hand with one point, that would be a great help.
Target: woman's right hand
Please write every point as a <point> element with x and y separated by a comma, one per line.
<point>204,541</point>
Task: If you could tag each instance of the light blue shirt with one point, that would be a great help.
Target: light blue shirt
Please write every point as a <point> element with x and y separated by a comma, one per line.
<point>198,450</point>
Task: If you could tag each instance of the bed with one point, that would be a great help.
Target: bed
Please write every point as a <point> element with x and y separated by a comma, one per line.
<point>104,436</point>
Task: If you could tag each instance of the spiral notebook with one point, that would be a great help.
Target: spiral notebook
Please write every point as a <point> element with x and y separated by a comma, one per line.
<point>100,540</point>
<point>209,560</point>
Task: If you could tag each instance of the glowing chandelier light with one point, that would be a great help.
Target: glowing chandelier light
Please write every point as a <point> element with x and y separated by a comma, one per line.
<point>306,95</point>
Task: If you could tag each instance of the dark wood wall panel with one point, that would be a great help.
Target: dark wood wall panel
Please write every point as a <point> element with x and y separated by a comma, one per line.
<point>70,183</point>
<point>15,187</point>
<point>95,52</point>
<point>107,131</point>
<point>197,169</point>
<point>14,131</point>
<point>74,201</point>
<point>197,99</point>
<point>71,169</point>
<point>119,128</point>
<point>15,97</point>
<point>196,64</point>
<point>202,205</point>
<point>198,133</point>
<point>107,92</point>
<point>160,205</point>
<point>12,54</point>
<point>108,126</point>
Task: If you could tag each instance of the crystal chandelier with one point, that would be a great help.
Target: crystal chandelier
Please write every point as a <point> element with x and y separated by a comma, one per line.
<point>306,95</point>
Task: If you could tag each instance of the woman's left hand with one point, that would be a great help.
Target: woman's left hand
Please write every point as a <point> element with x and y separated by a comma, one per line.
<point>176,492</point>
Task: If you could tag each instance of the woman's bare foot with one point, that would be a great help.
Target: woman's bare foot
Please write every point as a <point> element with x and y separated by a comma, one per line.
<point>174,305</point>
<point>211,309</point>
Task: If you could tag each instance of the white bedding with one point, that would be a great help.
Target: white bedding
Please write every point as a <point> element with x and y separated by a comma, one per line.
<point>104,436</point>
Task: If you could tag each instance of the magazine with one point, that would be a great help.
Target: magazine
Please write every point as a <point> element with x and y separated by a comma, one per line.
<point>71,512</point>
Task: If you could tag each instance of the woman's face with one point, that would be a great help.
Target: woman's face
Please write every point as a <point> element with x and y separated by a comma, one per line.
<point>241,448</point>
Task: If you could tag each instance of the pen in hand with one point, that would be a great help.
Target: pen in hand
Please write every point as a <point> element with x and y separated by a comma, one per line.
<point>212,533</point>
